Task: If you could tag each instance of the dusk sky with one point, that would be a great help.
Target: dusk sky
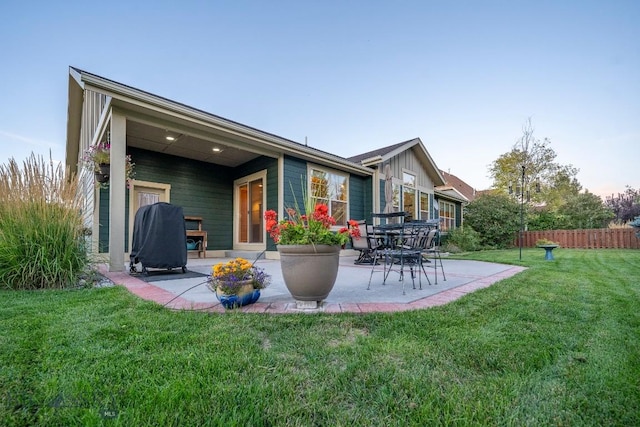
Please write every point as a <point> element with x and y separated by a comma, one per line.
<point>350,76</point>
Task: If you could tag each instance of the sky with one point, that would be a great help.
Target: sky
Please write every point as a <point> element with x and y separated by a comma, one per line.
<point>349,76</point>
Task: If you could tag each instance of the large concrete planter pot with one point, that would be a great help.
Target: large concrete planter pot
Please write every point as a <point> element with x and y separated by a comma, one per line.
<point>309,271</point>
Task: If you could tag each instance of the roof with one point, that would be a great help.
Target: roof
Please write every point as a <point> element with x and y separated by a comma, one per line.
<point>383,154</point>
<point>134,98</point>
<point>448,192</point>
<point>378,152</point>
<point>453,182</point>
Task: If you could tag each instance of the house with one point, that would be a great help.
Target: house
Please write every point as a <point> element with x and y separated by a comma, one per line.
<point>461,187</point>
<point>223,172</point>
<point>415,177</point>
<point>419,187</point>
<point>452,197</point>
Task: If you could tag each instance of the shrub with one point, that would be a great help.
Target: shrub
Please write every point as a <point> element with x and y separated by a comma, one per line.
<point>495,217</point>
<point>545,219</point>
<point>41,234</point>
<point>464,238</point>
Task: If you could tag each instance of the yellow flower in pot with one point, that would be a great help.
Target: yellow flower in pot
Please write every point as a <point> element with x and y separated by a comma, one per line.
<point>237,282</point>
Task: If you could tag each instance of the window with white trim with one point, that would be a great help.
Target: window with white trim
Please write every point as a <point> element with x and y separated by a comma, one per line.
<point>424,205</point>
<point>396,197</point>
<point>447,215</point>
<point>409,194</point>
<point>330,188</point>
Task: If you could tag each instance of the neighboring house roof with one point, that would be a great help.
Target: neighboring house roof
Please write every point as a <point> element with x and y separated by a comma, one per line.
<point>461,187</point>
<point>383,154</point>
<point>448,192</point>
<point>155,107</point>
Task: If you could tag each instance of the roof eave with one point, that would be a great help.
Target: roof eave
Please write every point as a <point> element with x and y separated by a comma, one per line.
<point>444,192</point>
<point>74,119</point>
<point>125,93</point>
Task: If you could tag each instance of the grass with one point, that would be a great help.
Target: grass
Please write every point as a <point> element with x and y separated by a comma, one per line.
<point>555,345</point>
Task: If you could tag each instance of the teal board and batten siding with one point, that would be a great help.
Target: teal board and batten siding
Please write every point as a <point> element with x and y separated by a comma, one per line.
<point>257,165</point>
<point>295,179</point>
<point>433,212</point>
<point>360,198</point>
<point>103,219</point>
<point>202,189</point>
<point>381,197</point>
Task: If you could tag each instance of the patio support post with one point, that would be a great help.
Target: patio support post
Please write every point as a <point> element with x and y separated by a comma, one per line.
<point>117,188</point>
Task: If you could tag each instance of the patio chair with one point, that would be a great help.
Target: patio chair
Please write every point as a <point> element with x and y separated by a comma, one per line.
<point>399,249</point>
<point>432,250</point>
<point>365,243</point>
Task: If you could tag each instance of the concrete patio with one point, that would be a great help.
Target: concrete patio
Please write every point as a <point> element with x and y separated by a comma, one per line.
<point>349,294</point>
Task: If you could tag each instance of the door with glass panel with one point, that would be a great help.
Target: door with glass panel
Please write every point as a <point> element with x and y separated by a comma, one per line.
<point>249,224</point>
<point>143,193</point>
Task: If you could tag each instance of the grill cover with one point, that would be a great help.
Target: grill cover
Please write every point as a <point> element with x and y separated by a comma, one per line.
<point>159,237</point>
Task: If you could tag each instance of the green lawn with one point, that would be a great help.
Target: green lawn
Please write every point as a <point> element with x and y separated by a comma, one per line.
<point>558,344</point>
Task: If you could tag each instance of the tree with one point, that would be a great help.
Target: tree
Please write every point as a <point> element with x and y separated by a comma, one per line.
<point>496,217</point>
<point>554,181</point>
<point>562,187</point>
<point>625,206</point>
<point>585,210</point>
<point>546,219</point>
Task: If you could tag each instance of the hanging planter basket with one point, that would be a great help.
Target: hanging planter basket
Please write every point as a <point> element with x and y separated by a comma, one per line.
<point>102,176</point>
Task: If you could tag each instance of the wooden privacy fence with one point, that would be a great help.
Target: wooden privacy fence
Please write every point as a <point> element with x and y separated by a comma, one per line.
<point>600,238</point>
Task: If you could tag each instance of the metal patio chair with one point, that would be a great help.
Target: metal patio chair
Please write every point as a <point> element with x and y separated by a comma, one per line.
<point>400,246</point>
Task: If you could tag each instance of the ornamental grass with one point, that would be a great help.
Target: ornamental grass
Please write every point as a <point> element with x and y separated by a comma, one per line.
<point>41,231</point>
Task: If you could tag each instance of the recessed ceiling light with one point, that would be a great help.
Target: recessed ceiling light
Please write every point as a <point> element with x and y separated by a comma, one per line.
<point>217,149</point>
<point>170,138</point>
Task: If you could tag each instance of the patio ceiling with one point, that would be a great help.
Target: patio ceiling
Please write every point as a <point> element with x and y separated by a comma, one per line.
<point>153,138</point>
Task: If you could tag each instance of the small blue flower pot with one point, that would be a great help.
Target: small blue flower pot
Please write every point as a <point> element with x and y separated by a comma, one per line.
<point>233,301</point>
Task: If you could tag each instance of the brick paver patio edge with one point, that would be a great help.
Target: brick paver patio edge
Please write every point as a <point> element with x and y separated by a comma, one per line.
<point>150,292</point>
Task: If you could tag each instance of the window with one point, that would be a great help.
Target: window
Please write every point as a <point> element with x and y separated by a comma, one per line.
<point>330,188</point>
<point>409,194</point>
<point>424,205</point>
<point>447,215</point>
<point>396,197</point>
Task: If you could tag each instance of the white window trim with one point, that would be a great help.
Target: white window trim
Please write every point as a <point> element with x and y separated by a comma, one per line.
<point>310,168</point>
<point>448,219</point>
<point>413,187</point>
